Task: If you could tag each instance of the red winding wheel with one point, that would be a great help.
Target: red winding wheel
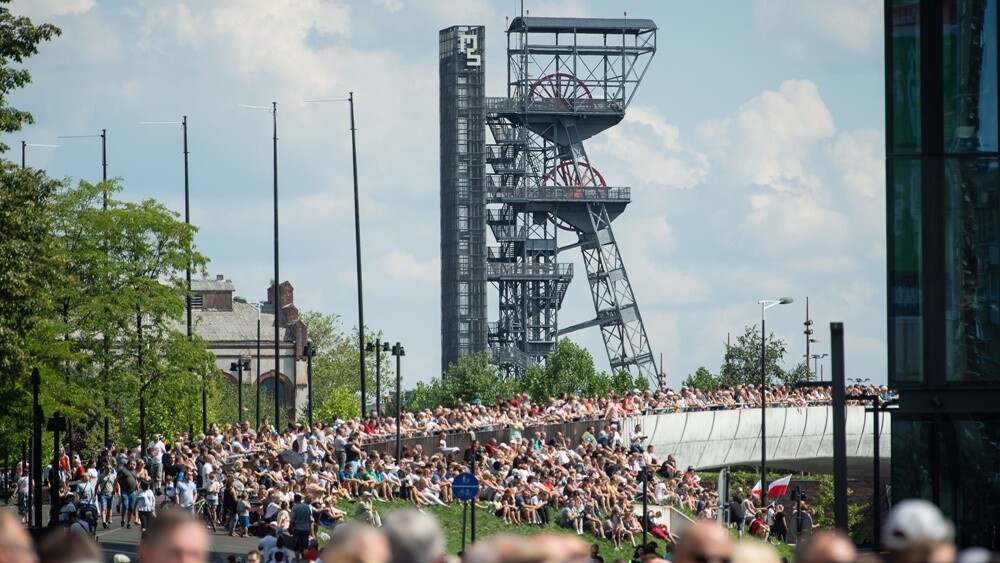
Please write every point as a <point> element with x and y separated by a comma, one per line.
<point>574,174</point>
<point>559,86</point>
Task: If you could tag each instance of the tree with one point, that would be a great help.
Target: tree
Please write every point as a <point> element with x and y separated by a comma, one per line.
<point>476,376</point>
<point>473,376</point>
<point>824,506</point>
<point>30,266</point>
<point>19,39</point>
<point>570,369</point>
<point>742,360</point>
<point>336,377</point>
<point>702,379</point>
<point>797,374</point>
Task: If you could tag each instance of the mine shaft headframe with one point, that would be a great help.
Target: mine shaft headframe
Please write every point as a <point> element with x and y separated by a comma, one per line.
<point>599,59</point>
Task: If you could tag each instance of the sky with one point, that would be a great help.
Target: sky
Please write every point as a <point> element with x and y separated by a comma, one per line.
<point>754,148</point>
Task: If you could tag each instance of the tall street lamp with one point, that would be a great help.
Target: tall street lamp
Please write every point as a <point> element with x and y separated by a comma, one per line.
<point>310,353</point>
<point>378,347</point>
<point>256,385</point>
<point>104,207</point>
<point>765,304</point>
<point>277,278</point>
<point>397,350</point>
<point>24,150</point>
<point>238,366</point>
<point>187,221</point>
<point>357,248</point>
<point>816,358</point>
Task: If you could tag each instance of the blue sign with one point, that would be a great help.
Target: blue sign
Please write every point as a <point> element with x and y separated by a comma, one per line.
<point>465,486</point>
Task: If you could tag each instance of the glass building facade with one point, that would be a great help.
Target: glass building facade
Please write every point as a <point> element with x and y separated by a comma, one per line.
<point>943,235</point>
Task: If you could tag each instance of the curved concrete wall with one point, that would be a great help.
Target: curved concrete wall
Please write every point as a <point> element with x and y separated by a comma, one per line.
<point>798,439</point>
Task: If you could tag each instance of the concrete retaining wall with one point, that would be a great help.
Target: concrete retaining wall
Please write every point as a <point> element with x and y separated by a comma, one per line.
<point>797,438</point>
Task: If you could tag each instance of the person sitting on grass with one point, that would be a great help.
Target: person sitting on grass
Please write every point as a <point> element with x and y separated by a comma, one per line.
<point>759,528</point>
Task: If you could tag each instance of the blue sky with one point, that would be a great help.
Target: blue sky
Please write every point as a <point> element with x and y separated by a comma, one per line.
<point>754,148</point>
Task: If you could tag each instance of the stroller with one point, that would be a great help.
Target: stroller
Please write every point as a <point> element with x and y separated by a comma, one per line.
<point>68,513</point>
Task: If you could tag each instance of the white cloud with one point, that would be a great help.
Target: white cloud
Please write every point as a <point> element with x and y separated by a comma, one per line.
<point>766,141</point>
<point>404,266</point>
<point>38,10</point>
<point>821,30</point>
<point>647,150</point>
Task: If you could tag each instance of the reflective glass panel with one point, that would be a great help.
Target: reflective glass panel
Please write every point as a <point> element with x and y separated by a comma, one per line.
<point>904,64</point>
<point>969,56</point>
<point>972,269</point>
<point>905,267</point>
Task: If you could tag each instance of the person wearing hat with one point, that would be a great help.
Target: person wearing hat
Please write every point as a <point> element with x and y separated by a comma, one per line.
<point>916,530</point>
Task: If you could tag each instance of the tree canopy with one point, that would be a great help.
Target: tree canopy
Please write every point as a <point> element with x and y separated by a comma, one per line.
<point>19,39</point>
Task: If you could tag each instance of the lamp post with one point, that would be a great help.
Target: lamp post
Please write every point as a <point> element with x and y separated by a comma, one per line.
<point>239,366</point>
<point>310,353</point>
<point>56,424</point>
<point>765,304</point>
<point>24,149</point>
<point>256,385</point>
<point>38,416</point>
<point>104,207</point>
<point>816,358</point>
<point>187,221</point>
<point>378,347</point>
<point>357,248</point>
<point>277,278</point>
<point>397,350</point>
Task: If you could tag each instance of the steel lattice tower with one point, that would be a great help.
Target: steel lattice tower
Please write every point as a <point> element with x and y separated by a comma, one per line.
<point>568,80</point>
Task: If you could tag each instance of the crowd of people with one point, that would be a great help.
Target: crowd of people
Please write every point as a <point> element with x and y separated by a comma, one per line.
<point>915,532</point>
<point>523,411</point>
<point>293,484</point>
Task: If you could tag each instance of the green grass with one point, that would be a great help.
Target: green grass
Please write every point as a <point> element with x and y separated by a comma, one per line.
<point>488,525</point>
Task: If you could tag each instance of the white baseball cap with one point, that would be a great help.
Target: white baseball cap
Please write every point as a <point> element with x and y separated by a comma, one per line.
<point>915,519</point>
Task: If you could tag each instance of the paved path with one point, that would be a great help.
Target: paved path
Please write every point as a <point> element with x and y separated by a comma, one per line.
<point>122,540</point>
<point>116,540</point>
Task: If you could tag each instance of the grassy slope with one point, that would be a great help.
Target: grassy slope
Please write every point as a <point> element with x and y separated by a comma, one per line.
<point>488,525</point>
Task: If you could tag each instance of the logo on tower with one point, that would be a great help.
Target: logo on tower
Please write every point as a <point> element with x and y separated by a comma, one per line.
<point>470,43</point>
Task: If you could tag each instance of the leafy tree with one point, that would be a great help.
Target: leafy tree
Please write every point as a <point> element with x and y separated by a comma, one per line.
<point>29,265</point>
<point>702,379</point>
<point>19,39</point>
<point>474,376</point>
<point>824,506</point>
<point>336,379</point>
<point>570,369</point>
<point>797,374</point>
<point>742,359</point>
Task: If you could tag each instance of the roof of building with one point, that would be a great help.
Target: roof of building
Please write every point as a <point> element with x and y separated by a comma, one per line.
<point>582,25</point>
<point>240,324</point>
<point>213,285</point>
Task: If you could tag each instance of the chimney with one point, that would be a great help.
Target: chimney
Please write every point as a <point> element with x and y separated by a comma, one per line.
<point>220,277</point>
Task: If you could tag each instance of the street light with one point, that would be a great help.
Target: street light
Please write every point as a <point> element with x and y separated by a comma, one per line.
<point>104,207</point>
<point>239,366</point>
<point>397,350</point>
<point>310,352</point>
<point>378,347</point>
<point>187,221</point>
<point>357,248</point>
<point>258,305</point>
<point>816,358</point>
<point>24,149</point>
<point>277,279</point>
<point>765,304</point>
